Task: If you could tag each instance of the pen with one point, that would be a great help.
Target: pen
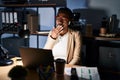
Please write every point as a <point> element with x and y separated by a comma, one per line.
<point>74,75</point>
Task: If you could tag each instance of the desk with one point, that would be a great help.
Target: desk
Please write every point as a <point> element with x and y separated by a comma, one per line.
<point>93,45</point>
<point>33,75</point>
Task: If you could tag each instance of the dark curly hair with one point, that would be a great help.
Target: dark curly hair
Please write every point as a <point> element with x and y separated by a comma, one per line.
<point>67,11</point>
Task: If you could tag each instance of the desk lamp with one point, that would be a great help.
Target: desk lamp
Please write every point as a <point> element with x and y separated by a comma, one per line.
<point>4,58</point>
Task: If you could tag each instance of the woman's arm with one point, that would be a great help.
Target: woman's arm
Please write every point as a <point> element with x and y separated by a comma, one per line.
<point>52,37</point>
<point>50,42</point>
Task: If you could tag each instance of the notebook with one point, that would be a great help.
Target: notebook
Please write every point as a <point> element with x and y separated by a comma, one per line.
<point>33,58</point>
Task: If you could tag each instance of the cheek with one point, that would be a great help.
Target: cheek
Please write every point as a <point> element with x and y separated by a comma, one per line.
<point>66,22</point>
<point>59,22</point>
<point>65,26</point>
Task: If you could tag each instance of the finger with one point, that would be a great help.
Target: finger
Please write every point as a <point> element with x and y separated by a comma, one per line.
<point>59,28</point>
<point>55,31</point>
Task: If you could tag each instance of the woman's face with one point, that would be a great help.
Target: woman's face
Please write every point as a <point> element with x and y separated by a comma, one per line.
<point>63,20</point>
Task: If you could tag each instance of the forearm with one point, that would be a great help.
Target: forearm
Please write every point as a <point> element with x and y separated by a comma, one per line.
<point>50,42</point>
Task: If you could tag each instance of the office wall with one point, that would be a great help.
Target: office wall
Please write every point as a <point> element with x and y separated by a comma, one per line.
<point>110,6</point>
<point>97,9</point>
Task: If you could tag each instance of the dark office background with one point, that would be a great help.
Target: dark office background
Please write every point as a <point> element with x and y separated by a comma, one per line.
<point>92,11</point>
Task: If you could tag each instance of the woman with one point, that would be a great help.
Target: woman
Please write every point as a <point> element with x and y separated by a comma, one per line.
<point>64,42</point>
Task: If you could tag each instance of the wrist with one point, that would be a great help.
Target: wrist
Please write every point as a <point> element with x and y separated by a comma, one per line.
<point>52,37</point>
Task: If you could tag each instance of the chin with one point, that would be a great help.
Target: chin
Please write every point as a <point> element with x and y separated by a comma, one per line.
<point>61,33</point>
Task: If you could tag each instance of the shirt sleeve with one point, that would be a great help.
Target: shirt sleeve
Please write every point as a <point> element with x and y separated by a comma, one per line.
<point>50,42</point>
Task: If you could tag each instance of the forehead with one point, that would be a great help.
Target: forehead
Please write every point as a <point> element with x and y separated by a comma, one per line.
<point>62,15</point>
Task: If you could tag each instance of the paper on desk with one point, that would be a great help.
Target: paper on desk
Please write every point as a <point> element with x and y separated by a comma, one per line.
<point>89,73</point>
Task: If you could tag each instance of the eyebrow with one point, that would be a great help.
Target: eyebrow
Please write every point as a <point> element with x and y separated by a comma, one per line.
<point>65,16</point>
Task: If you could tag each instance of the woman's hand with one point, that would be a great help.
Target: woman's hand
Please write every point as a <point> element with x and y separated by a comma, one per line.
<point>56,31</point>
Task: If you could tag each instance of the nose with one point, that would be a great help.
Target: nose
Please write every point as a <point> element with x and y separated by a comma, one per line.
<point>60,19</point>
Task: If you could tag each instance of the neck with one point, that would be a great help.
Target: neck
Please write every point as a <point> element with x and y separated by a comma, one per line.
<point>64,32</point>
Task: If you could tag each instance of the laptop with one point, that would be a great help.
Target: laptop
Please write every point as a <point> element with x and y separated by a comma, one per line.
<point>33,58</point>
